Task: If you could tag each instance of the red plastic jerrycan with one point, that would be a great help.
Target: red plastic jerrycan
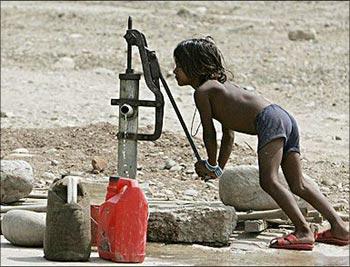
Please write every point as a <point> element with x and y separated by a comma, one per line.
<point>123,217</point>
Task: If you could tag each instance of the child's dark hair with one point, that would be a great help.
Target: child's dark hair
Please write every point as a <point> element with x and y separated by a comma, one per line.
<point>200,58</point>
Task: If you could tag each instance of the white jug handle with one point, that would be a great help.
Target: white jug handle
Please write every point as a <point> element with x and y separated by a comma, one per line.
<point>72,189</point>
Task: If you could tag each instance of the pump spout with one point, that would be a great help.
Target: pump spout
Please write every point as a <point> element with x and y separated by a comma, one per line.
<point>126,110</point>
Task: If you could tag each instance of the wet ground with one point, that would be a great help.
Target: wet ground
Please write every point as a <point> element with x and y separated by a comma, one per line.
<point>244,250</point>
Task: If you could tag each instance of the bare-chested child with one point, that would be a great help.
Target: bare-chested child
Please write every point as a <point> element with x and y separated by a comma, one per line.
<point>199,64</point>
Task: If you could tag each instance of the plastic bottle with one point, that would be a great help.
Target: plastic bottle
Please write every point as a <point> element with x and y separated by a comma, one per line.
<point>123,218</point>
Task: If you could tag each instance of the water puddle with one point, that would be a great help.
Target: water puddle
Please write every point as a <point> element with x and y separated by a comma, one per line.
<point>322,255</point>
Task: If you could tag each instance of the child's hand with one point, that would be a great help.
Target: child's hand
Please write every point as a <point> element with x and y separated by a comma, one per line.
<point>206,171</point>
<point>201,170</point>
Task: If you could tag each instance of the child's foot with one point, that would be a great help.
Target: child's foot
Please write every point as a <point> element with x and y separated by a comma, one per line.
<point>336,235</point>
<point>291,241</point>
<point>305,236</point>
<point>341,231</point>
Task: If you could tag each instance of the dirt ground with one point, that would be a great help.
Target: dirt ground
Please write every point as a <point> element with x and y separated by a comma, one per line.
<point>59,109</point>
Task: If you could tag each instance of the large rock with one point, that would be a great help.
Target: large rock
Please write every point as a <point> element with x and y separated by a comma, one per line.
<point>239,187</point>
<point>209,224</point>
<point>24,228</point>
<point>16,178</point>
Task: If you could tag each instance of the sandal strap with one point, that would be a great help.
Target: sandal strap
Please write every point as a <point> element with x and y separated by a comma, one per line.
<point>283,239</point>
<point>290,238</point>
<point>324,234</point>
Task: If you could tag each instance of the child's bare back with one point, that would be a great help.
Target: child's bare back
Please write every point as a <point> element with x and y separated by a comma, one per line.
<point>234,107</point>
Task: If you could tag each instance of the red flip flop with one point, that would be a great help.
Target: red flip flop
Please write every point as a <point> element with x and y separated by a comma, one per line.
<point>290,242</point>
<point>328,238</point>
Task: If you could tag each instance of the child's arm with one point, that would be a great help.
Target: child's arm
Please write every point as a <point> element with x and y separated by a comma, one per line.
<point>209,133</point>
<point>226,146</point>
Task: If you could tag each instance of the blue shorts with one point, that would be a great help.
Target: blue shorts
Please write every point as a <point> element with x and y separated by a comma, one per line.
<point>274,122</point>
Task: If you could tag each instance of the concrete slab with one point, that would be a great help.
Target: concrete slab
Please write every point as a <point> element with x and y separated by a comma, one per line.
<point>209,223</point>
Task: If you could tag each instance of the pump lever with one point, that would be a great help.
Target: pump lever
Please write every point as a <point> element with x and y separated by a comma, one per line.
<point>151,71</point>
<point>177,111</point>
<point>150,65</point>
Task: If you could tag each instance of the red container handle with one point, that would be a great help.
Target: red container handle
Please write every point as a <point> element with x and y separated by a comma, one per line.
<point>120,182</point>
<point>126,182</point>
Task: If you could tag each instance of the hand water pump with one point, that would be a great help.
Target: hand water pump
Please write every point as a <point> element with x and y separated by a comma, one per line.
<point>129,103</point>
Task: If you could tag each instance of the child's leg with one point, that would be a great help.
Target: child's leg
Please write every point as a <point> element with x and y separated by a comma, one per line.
<point>291,167</point>
<point>270,157</point>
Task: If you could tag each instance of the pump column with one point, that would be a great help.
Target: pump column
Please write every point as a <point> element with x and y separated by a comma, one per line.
<point>128,124</point>
<point>128,119</point>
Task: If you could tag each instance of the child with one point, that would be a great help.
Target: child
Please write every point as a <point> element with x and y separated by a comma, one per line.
<point>198,64</point>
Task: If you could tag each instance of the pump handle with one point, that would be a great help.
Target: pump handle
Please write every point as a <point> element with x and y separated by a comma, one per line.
<point>151,71</point>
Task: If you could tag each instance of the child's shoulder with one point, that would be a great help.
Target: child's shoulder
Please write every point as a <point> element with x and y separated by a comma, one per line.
<point>210,84</point>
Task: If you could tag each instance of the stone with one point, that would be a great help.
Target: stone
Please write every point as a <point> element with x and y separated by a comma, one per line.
<point>185,12</point>
<point>17,180</point>
<point>24,228</point>
<point>301,35</point>
<point>176,168</point>
<point>254,226</point>
<point>191,192</point>
<point>325,189</point>
<point>20,151</point>
<point>194,176</point>
<point>343,201</point>
<point>239,187</point>
<point>189,171</point>
<point>328,182</point>
<point>169,194</point>
<point>49,176</point>
<point>211,185</point>
<point>188,198</point>
<point>51,151</point>
<point>203,223</point>
<point>54,162</point>
<point>340,186</point>
<point>99,163</point>
<point>169,163</point>
<point>66,63</point>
